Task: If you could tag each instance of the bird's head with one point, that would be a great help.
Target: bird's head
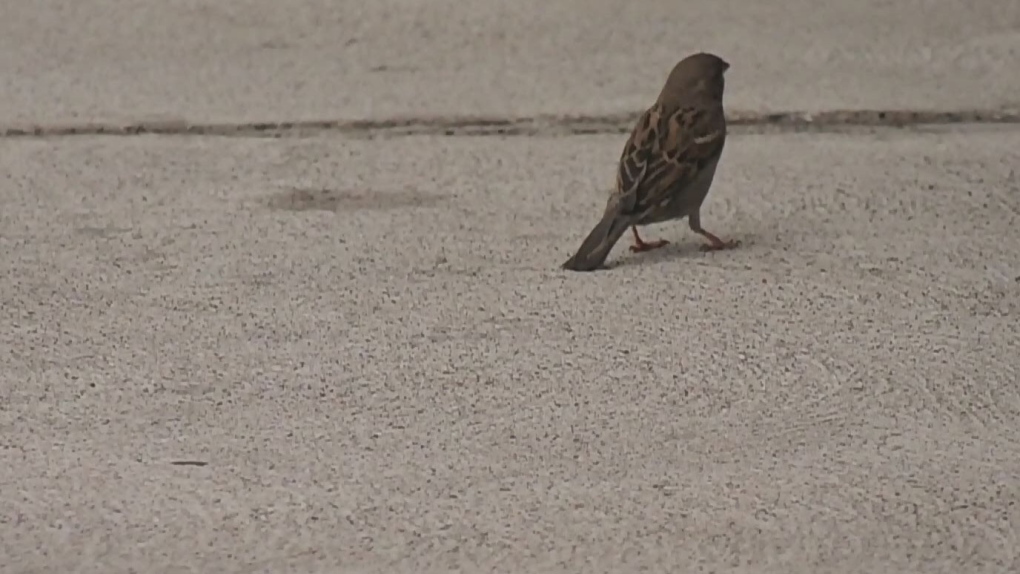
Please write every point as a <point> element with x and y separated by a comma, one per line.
<point>696,76</point>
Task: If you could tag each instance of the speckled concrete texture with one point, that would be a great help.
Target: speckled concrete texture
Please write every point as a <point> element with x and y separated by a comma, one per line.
<point>372,348</point>
<point>346,355</point>
<point>261,60</point>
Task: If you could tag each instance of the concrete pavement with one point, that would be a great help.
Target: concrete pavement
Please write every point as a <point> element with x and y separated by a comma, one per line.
<point>254,60</point>
<point>337,354</point>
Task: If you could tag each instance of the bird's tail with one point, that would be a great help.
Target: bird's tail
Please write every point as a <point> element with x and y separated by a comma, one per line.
<point>595,248</point>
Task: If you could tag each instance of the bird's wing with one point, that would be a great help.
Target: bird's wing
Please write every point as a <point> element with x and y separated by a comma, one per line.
<point>667,149</point>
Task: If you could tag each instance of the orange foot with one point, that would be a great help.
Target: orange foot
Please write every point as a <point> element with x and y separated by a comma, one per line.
<point>721,246</point>
<point>649,245</point>
<point>716,244</point>
<point>641,245</point>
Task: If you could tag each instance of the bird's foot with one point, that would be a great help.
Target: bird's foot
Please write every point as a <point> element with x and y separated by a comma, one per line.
<point>720,245</point>
<point>642,246</point>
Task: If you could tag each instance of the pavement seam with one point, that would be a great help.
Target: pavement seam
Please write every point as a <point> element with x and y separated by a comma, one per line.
<point>833,120</point>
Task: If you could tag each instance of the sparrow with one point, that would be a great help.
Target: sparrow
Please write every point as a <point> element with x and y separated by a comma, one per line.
<point>668,163</point>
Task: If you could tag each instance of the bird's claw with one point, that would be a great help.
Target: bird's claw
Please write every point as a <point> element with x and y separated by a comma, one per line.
<point>648,245</point>
<point>721,246</point>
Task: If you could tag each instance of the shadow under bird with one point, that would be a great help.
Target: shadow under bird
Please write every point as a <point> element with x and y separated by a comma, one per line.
<point>667,165</point>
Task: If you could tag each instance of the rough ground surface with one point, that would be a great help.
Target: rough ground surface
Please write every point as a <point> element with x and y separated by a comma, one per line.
<point>366,358</point>
<point>261,60</point>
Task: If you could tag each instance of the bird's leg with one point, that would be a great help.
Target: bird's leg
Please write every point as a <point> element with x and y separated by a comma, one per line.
<point>715,244</point>
<point>640,245</point>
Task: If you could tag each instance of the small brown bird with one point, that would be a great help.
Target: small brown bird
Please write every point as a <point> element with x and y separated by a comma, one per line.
<point>667,165</point>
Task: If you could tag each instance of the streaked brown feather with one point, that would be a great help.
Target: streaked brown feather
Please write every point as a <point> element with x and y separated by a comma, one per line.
<point>667,149</point>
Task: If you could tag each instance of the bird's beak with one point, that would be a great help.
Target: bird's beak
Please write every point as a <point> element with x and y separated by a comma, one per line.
<point>726,66</point>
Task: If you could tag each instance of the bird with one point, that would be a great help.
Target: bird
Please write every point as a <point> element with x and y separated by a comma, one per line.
<point>668,163</point>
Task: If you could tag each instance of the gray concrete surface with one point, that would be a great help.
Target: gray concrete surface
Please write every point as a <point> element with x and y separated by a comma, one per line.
<point>370,347</point>
<point>253,60</point>
<point>402,381</point>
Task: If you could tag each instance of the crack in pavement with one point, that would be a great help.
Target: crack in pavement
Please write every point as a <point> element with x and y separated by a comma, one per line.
<point>833,120</point>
